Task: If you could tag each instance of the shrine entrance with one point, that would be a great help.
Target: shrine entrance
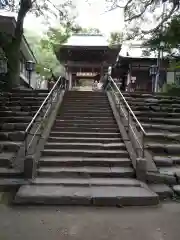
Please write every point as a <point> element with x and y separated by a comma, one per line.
<point>86,58</point>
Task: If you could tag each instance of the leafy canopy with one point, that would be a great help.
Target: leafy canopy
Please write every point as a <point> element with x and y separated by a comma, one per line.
<point>146,11</point>
<point>170,36</point>
<point>116,38</point>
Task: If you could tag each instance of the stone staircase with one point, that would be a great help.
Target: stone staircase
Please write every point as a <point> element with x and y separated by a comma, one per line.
<point>16,111</point>
<point>160,117</point>
<point>85,161</point>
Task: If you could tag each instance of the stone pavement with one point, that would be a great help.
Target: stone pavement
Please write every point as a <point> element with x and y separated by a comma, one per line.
<point>55,223</point>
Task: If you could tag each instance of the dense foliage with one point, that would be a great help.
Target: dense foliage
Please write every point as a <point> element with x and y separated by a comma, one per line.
<point>11,43</point>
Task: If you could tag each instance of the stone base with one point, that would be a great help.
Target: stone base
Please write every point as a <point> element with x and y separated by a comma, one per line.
<point>97,196</point>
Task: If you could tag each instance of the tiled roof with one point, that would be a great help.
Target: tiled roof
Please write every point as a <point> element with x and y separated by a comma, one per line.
<point>87,40</point>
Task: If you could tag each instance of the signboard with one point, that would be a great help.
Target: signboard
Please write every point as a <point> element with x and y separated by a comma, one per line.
<point>86,74</point>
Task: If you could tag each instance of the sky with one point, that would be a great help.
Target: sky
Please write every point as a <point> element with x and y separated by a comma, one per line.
<point>89,15</point>
<point>92,15</point>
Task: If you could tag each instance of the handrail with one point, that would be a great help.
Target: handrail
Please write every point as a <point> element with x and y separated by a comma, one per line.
<point>42,105</point>
<point>130,112</point>
<point>128,107</point>
<point>50,97</point>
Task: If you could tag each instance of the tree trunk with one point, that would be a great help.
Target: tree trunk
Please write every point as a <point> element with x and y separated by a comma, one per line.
<point>12,49</point>
<point>13,56</point>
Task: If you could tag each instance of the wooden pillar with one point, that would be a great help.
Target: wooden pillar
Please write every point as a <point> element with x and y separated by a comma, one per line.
<point>70,80</point>
<point>101,71</point>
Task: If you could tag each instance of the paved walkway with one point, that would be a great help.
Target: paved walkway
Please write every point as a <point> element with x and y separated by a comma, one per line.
<point>54,223</point>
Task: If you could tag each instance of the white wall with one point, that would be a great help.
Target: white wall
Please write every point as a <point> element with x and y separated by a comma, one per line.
<point>36,81</point>
<point>170,77</point>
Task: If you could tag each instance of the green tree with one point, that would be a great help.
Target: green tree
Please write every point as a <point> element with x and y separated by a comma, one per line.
<point>44,55</point>
<point>11,44</point>
<point>146,53</point>
<point>89,30</point>
<point>170,36</point>
<point>116,38</point>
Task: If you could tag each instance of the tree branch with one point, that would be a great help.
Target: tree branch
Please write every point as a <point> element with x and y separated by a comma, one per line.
<point>141,13</point>
<point>163,21</point>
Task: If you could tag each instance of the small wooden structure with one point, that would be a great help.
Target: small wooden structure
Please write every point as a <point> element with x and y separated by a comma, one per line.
<point>85,56</point>
<point>135,71</point>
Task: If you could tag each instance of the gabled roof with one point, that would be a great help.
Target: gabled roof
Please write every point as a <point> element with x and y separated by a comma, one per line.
<point>87,40</point>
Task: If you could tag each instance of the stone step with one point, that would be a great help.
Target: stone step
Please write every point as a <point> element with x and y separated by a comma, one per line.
<point>12,136</point>
<point>90,134</point>
<point>86,97</point>
<point>163,190</point>
<point>24,95</point>
<point>121,182</point>
<point>84,93</point>
<point>84,118</point>
<point>166,109</point>
<point>20,108</point>
<point>85,153</point>
<point>88,108</point>
<point>86,171</point>
<point>86,145</point>
<point>23,103</point>
<point>153,102</point>
<point>165,149</point>
<point>161,178</point>
<point>9,173</point>
<point>159,127</point>
<point>7,184</point>
<point>29,91</point>
<point>6,159</point>
<point>80,161</point>
<point>9,146</point>
<point>147,95</point>
<point>163,161</point>
<point>13,127</point>
<point>83,105</point>
<point>96,195</point>
<point>24,98</point>
<point>171,171</point>
<point>14,119</point>
<point>83,139</point>
<point>175,159</point>
<point>85,111</point>
<point>86,105</point>
<point>16,113</point>
<point>86,121</point>
<point>84,124</point>
<point>85,129</point>
<point>87,114</point>
<point>163,137</point>
<point>159,120</point>
<point>176,189</point>
<point>156,114</point>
